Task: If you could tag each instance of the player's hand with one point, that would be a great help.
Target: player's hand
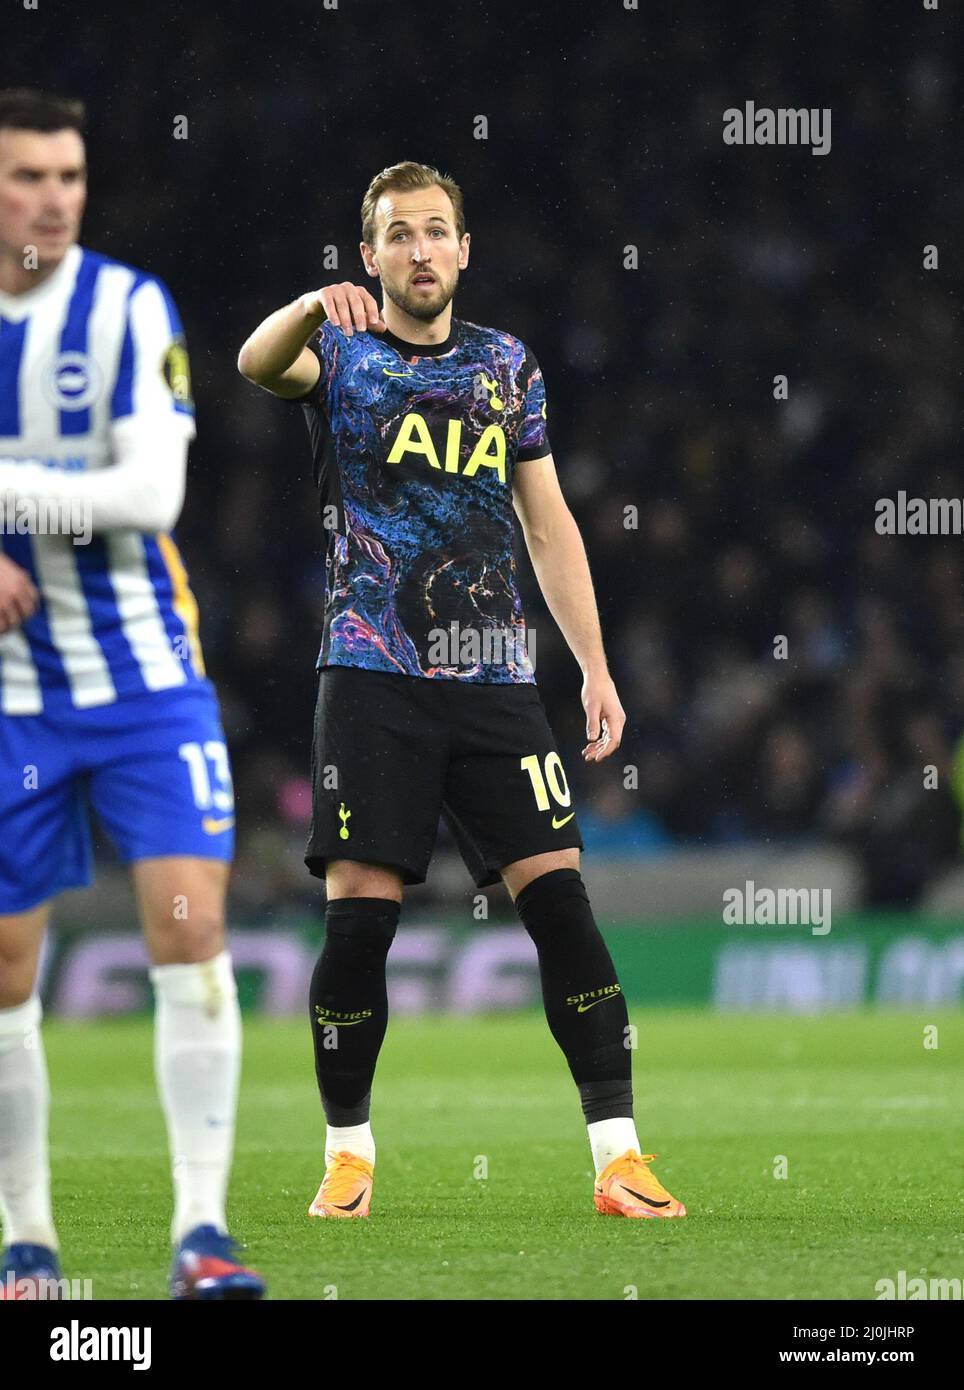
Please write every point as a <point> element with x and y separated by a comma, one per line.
<point>19,596</point>
<point>347,306</point>
<point>605,716</point>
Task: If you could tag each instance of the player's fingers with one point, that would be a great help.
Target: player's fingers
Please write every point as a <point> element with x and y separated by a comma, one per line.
<point>593,733</point>
<point>343,309</point>
<point>375,320</point>
<point>19,607</point>
<point>348,307</point>
<point>359,310</point>
<point>606,746</point>
<point>335,299</point>
<point>616,726</point>
<point>326,303</point>
<point>29,603</point>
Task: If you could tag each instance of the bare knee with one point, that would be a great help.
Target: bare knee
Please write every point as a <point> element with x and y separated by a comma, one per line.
<point>182,908</point>
<point>347,878</point>
<point>196,938</point>
<point>21,936</point>
<point>17,976</point>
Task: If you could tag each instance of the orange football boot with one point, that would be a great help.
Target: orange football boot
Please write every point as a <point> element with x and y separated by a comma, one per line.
<point>346,1189</point>
<point>626,1187</point>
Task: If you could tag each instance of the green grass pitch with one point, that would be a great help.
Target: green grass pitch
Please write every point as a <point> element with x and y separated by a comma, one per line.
<point>868,1119</point>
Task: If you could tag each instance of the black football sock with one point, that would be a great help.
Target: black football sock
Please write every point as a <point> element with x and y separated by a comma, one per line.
<point>348,1004</point>
<point>584,1004</point>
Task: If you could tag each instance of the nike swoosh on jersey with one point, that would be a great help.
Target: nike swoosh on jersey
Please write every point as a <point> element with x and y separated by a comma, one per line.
<point>558,824</point>
<point>211,826</point>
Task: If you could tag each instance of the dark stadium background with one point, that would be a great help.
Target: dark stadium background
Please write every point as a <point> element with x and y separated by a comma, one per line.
<point>756,516</point>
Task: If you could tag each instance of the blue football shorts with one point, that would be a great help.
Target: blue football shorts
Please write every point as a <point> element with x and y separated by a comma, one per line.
<point>153,767</point>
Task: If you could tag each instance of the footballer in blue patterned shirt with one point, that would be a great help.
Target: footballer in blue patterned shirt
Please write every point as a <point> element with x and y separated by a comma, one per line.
<point>428,433</point>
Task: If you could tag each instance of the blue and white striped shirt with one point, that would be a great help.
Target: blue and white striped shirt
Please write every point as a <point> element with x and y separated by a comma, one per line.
<point>96,346</point>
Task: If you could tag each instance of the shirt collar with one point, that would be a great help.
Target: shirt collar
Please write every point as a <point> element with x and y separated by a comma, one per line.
<point>410,350</point>
<point>18,306</point>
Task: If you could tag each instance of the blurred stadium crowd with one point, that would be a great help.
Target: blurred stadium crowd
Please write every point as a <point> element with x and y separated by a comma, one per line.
<point>755,515</point>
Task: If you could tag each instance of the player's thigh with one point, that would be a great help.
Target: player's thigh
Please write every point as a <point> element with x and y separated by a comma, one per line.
<point>347,878</point>
<point>160,779</point>
<point>44,822</point>
<point>181,901</point>
<point>507,798</point>
<point>523,871</point>
<point>21,937</point>
<point>377,770</point>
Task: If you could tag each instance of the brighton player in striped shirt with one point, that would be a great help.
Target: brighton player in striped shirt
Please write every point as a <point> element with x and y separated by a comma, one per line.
<point>103,696</point>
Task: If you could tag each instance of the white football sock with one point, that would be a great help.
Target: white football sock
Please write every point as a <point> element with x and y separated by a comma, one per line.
<point>24,1104</point>
<point>197,1059</point>
<point>610,1138</point>
<point>357,1139</point>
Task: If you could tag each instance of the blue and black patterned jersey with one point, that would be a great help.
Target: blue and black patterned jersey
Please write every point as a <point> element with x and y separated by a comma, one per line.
<point>414,451</point>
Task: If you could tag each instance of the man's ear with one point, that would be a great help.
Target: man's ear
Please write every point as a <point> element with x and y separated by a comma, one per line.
<point>372,269</point>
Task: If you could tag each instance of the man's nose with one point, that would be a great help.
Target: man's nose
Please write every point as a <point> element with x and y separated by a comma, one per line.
<point>56,197</point>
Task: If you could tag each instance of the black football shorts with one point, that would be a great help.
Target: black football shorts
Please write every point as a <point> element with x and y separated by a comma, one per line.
<point>391,753</point>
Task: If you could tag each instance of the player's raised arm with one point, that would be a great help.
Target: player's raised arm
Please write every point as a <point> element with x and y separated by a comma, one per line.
<point>276,356</point>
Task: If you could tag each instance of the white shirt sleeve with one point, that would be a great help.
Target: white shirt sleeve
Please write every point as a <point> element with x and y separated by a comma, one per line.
<point>143,490</point>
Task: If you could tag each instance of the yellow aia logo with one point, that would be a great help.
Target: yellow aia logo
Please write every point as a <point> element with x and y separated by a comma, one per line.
<point>413,437</point>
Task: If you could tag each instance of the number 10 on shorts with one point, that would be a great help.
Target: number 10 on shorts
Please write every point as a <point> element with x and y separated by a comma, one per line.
<point>554,775</point>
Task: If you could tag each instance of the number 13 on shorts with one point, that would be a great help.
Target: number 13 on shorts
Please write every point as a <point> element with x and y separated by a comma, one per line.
<point>210,793</point>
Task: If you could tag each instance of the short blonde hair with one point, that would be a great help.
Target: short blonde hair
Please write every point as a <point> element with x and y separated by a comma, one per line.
<point>402,178</point>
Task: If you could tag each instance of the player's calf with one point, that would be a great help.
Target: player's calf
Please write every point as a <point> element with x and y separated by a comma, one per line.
<point>587,1015</point>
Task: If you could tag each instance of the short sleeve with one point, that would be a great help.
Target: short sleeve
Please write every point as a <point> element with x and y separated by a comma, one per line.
<point>320,346</point>
<point>534,434</point>
<point>153,381</point>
